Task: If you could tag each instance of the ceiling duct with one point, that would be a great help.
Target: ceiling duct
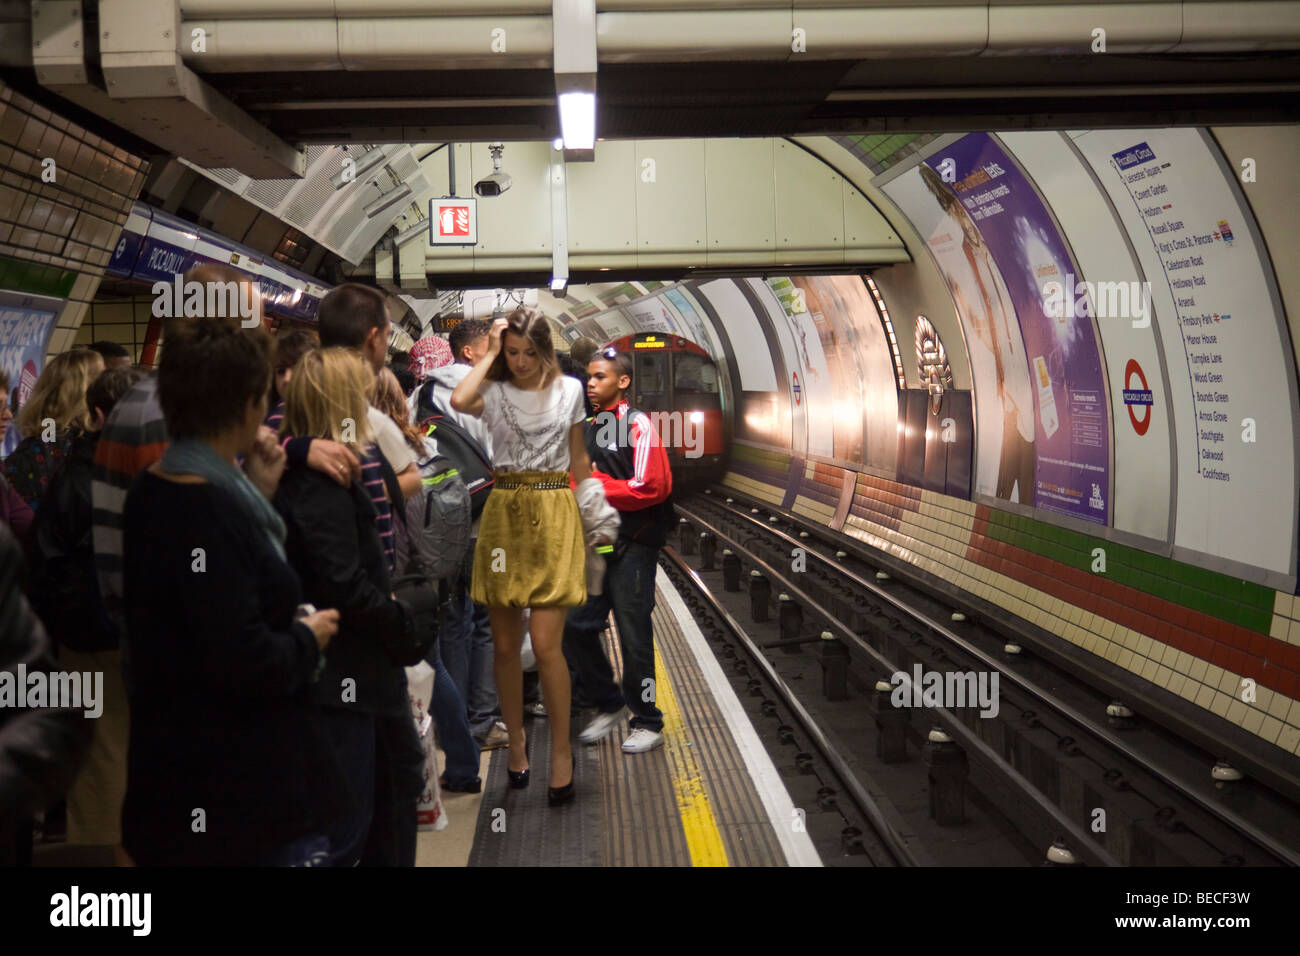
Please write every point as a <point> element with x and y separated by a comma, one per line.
<point>347,219</point>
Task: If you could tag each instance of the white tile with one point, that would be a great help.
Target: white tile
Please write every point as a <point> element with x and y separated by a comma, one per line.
<point>1269,729</point>
<point>1288,738</point>
<point>1252,720</point>
<point>1279,706</point>
<point>1220,704</point>
<point>1237,711</point>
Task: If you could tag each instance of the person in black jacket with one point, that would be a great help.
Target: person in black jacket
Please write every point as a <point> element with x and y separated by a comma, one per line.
<point>41,748</point>
<point>65,593</point>
<point>227,763</point>
<point>333,543</point>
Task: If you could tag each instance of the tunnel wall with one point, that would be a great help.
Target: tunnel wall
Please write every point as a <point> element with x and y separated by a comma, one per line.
<point>65,194</point>
<point>1189,619</point>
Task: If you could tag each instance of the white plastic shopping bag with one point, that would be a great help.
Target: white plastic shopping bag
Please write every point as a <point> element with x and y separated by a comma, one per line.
<point>430,812</point>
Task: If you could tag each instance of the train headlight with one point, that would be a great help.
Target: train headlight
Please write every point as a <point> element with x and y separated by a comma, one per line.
<point>697,417</point>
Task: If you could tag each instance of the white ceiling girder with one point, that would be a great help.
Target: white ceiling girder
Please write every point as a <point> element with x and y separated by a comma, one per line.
<point>150,91</point>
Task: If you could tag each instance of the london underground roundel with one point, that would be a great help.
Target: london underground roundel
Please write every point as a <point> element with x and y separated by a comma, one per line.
<point>1137,396</point>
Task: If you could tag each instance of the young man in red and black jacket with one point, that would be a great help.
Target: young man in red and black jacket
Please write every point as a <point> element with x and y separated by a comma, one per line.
<point>628,458</point>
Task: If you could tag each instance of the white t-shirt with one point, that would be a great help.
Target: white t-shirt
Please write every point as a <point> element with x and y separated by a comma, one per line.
<point>390,441</point>
<point>530,430</point>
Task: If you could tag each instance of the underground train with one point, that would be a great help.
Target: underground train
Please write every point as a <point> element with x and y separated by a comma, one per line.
<point>678,385</point>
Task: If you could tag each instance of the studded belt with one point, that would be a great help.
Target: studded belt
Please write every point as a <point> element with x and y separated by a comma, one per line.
<point>538,481</point>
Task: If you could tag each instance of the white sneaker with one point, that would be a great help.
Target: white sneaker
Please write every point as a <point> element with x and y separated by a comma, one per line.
<point>601,726</point>
<point>642,740</point>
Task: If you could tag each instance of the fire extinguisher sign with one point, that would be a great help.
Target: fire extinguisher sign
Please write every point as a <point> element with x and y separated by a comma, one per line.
<point>453,222</point>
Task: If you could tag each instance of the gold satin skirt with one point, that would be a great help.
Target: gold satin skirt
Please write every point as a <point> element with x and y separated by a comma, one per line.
<point>530,550</point>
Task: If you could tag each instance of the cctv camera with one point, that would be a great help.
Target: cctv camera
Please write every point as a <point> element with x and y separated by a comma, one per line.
<point>493,184</point>
<point>496,182</point>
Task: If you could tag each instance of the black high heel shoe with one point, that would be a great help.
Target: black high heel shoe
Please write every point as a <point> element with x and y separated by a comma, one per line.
<point>557,796</point>
<point>518,778</point>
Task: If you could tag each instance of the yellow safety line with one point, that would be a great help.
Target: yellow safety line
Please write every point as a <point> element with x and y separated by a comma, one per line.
<point>703,839</point>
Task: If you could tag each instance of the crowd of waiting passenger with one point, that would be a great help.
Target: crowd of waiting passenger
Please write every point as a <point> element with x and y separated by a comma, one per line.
<point>239,542</point>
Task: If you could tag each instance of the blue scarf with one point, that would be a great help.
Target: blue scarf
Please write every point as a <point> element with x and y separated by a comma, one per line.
<point>190,456</point>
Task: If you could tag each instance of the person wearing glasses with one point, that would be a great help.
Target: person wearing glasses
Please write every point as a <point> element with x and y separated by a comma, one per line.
<point>629,461</point>
<point>530,551</point>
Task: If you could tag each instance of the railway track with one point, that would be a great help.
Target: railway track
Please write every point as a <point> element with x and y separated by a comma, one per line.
<point>1100,793</point>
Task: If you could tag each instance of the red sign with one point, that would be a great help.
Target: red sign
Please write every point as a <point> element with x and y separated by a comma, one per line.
<point>794,386</point>
<point>1140,397</point>
<point>453,221</point>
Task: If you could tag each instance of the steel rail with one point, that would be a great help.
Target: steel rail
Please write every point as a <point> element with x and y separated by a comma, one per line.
<point>1081,842</point>
<point>1166,776</point>
<point>889,835</point>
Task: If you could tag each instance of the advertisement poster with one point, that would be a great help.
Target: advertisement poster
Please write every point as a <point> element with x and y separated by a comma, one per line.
<point>808,362</point>
<point>1072,437</point>
<point>24,336</point>
<point>1231,370</point>
<point>650,315</point>
<point>692,327</point>
<point>1003,390</point>
<point>1055,433</point>
<point>860,363</point>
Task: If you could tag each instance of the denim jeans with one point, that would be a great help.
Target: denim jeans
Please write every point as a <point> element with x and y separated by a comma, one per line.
<point>629,590</point>
<point>448,710</point>
<point>465,644</point>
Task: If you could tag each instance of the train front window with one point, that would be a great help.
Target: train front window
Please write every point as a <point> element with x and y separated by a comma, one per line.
<point>695,374</point>
<point>648,376</point>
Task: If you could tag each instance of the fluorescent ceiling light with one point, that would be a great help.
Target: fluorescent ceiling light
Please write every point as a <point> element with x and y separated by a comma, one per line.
<point>362,165</point>
<point>578,120</point>
<point>558,283</point>
<point>388,200</point>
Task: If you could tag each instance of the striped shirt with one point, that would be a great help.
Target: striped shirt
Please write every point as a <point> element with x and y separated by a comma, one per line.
<point>134,437</point>
<point>372,477</point>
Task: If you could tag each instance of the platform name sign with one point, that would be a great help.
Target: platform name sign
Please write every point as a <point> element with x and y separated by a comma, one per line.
<point>453,222</point>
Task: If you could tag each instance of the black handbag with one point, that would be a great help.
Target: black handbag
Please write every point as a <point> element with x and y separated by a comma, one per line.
<point>424,605</point>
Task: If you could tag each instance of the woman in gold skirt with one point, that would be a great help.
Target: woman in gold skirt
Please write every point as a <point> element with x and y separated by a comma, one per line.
<point>530,551</point>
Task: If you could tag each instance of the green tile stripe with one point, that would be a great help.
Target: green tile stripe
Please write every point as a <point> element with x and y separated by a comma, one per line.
<point>1244,603</point>
<point>761,457</point>
<point>34,278</point>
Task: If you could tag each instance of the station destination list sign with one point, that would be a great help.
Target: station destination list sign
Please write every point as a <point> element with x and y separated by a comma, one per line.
<point>1220,329</point>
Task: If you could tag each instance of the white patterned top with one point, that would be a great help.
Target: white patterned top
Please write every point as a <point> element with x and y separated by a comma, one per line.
<point>530,430</point>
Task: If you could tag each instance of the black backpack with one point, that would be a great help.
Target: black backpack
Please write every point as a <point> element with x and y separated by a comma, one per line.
<point>460,448</point>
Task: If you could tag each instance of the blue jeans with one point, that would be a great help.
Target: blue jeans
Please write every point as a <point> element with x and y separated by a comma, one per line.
<point>448,710</point>
<point>466,648</point>
<point>629,590</point>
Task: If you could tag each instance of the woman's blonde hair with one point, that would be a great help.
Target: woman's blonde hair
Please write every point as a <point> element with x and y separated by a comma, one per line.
<point>386,395</point>
<point>60,394</point>
<point>326,398</point>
